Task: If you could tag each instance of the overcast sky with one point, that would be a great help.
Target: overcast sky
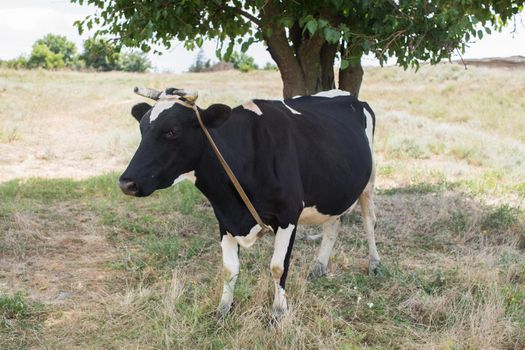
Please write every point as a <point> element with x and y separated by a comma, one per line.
<point>22,22</point>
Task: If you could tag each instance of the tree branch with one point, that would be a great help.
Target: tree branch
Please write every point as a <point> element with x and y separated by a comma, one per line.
<point>248,15</point>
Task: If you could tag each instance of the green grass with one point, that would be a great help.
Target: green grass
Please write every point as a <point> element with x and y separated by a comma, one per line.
<point>146,272</point>
<point>20,320</point>
<point>169,266</point>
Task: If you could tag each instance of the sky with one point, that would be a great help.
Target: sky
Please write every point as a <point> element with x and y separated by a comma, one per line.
<point>22,22</point>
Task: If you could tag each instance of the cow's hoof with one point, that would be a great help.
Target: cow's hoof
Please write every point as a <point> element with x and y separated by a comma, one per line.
<point>278,314</point>
<point>317,270</point>
<point>374,268</point>
<point>223,310</point>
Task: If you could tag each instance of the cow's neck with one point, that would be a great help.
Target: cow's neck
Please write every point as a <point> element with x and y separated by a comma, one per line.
<point>213,182</point>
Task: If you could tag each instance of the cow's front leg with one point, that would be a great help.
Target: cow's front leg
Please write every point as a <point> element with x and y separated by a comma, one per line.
<point>284,239</point>
<point>230,263</point>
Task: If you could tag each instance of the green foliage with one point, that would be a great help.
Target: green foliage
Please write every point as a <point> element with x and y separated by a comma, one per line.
<point>55,52</point>
<point>500,218</point>
<point>59,45</point>
<point>15,63</point>
<point>134,61</point>
<point>14,307</point>
<point>104,55</point>
<point>50,52</point>
<point>42,57</point>
<point>19,318</point>
<point>412,31</point>
<point>101,54</point>
<point>243,62</point>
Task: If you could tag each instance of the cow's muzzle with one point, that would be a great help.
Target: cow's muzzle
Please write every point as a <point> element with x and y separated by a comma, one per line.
<point>129,187</point>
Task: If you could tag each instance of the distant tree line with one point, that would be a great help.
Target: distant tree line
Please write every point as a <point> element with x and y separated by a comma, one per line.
<point>56,52</point>
<point>238,60</point>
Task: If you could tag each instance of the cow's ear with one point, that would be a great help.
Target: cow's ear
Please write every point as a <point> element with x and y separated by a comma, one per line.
<point>138,110</point>
<point>215,115</point>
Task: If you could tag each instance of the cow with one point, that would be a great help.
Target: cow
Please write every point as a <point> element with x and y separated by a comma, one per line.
<point>304,160</point>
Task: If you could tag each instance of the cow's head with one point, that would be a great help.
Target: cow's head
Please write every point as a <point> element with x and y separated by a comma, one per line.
<point>172,141</point>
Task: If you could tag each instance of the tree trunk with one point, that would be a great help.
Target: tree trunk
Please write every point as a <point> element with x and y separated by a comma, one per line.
<point>313,70</point>
<point>306,62</point>
<point>350,78</point>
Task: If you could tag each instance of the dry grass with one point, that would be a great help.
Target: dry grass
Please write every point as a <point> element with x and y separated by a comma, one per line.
<point>95,269</point>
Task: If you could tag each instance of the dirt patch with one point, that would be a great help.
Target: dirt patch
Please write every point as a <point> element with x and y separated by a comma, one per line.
<point>68,145</point>
<point>56,262</point>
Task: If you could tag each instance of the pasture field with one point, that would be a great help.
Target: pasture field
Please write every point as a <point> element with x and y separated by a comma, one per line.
<point>84,267</point>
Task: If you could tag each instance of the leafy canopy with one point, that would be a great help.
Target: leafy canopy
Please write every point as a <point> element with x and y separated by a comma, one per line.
<point>101,54</point>
<point>410,30</point>
<point>58,44</point>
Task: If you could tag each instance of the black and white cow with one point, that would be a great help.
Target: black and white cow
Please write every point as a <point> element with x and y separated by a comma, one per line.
<point>305,160</point>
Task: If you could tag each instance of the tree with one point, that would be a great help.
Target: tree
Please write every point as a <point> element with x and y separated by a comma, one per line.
<point>42,57</point>
<point>200,64</point>
<point>243,62</point>
<point>101,54</point>
<point>134,61</point>
<point>305,37</point>
<point>59,45</point>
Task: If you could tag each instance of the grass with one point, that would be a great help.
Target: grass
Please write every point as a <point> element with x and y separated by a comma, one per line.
<point>83,266</point>
<point>20,320</point>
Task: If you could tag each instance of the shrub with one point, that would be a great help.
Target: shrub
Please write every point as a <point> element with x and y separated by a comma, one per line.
<point>243,62</point>
<point>15,63</point>
<point>270,66</point>
<point>134,61</point>
<point>42,57</point>
<point>59,45</point>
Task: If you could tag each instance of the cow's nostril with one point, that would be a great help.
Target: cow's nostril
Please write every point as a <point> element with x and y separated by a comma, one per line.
<point>128,187</point>
<point>132,186</point>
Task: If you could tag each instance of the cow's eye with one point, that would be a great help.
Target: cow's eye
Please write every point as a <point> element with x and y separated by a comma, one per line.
<point>171,135</point>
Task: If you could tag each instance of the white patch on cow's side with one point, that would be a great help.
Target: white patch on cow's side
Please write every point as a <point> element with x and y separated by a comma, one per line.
<point>230,262</point>
<point>160,106</point>
<point>290,108</point>
<point>311,216</point>
<point>252,106</point>
<point>332,93</point>
<point>252,236</point>
<point>190,176</point>
<point>369,128</point>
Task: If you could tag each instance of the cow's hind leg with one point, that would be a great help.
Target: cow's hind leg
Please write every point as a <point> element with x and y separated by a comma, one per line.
<point>284,239</point>
<point>366,201</point>
<point>330,231</point>
<point>230,262</point>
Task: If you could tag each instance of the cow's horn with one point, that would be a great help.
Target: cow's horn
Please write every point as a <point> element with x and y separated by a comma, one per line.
<point>147,92</point>
<point>191,97</point>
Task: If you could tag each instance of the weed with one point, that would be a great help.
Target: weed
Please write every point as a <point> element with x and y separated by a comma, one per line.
<point>458,221</point>
<point>19,319</point>
<point>500,218</point>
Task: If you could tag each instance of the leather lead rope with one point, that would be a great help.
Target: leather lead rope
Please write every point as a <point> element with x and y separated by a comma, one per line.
<point>228,170</point>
